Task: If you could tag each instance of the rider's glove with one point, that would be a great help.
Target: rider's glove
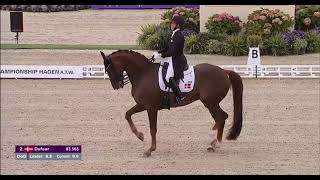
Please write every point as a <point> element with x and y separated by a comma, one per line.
<point>156,55</point>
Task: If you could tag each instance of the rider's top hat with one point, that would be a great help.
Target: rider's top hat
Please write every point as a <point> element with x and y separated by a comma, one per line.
<point>178,20</point>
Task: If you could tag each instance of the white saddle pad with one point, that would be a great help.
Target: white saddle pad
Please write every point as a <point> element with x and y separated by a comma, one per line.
<point>185,86</point>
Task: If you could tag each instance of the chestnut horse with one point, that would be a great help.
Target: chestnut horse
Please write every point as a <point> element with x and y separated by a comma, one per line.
<point>212,84</point>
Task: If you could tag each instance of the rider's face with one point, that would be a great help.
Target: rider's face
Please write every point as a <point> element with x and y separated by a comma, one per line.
<point>173,25</point>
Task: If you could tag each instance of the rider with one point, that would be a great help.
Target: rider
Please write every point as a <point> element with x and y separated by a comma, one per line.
<point>175,50</point>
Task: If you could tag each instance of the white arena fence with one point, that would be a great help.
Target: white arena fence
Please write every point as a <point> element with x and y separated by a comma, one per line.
<point>97,71</point>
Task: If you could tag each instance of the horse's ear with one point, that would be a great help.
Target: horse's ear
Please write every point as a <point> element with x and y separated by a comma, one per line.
<point>102,54</point>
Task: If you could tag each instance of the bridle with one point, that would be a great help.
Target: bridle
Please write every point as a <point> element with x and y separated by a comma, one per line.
<point>117,80</point>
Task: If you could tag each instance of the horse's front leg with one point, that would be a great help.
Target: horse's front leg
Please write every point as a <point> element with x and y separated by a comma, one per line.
<point>129,113</point>
<point>152,114</point>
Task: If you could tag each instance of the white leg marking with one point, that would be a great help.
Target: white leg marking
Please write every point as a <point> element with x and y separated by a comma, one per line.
<point>213,141</point>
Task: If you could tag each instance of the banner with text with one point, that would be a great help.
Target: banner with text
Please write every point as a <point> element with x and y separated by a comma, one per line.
<point>34,71</point>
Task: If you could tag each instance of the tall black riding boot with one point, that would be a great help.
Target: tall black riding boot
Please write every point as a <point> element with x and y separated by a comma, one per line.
<point>176,90</point>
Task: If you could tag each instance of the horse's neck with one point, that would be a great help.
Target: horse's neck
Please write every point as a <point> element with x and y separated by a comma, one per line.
<point>135,68</point>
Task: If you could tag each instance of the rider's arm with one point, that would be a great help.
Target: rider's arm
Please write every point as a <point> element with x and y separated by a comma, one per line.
<point>177,41</point>
<point>164,50</point>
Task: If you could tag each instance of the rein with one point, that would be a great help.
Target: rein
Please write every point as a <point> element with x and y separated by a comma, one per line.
<point>115,78</point>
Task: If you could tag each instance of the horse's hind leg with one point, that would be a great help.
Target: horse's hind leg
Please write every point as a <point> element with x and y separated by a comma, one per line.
<point>129,113</point>
<point>219,116</point>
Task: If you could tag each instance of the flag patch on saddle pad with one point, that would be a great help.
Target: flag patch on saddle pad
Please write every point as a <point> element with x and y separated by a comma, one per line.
<point>188,85</point>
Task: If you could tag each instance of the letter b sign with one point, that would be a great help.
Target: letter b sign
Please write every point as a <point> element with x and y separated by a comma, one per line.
<point>254,57</point>
<point>254,53</point>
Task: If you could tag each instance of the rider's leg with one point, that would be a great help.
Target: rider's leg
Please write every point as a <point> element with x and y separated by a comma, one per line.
<point>174,82</point>
<point>175,88</point>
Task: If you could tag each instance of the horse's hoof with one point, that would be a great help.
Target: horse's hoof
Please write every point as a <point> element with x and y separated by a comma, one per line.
<point>147,154</point>
<point>214,143</point>
<point>210,149</point>
<point>140,136</point>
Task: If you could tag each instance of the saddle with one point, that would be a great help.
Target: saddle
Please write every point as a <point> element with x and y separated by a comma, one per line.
<point>186,83</point>
<point>164,73</point>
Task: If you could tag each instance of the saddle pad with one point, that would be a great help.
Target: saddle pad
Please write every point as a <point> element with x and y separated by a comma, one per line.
<point>185,86</point>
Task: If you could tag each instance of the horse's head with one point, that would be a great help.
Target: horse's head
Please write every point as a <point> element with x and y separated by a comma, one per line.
<point>115,70</point>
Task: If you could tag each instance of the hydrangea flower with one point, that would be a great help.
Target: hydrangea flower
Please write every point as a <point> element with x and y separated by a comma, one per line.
<point>267,25</point>
<point>317,14</point>
<point>267,31</point>
<point>285,18</point>
<point>264,12</point>
<point>263,18</point>
<point>307,21</point>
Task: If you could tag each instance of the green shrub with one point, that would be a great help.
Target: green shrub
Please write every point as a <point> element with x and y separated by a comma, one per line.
<point>203,40</point>
<point>268,22</point>
<point>190,15</point>
<point>254,41</point>
<point>299,46</point>
<point>224,48</point>
<point>153,37</point>
<point>218,36</point>
<point>276,45</point>
<point>165,37</point>
<point>254,29</point>
<point>197,43</point>
<point>153,42</point>
<point>146,31</point>
<point>192,45</point>
<point>313,39</point>
<point>308,17</point>
<point>214,47</point>
<point>235,46</point>
<point>223,23</point>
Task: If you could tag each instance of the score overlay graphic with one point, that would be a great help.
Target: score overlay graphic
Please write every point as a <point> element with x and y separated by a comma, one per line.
<point>48,152</point>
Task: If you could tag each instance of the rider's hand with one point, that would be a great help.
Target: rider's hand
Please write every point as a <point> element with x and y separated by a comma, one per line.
<point>156,55</point>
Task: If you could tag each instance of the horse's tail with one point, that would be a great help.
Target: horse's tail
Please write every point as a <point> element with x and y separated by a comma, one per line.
<point>237,88</point>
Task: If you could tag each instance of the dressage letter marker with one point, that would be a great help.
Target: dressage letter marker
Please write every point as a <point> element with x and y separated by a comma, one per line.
<point>48,152</point>
<point>254,57</point>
